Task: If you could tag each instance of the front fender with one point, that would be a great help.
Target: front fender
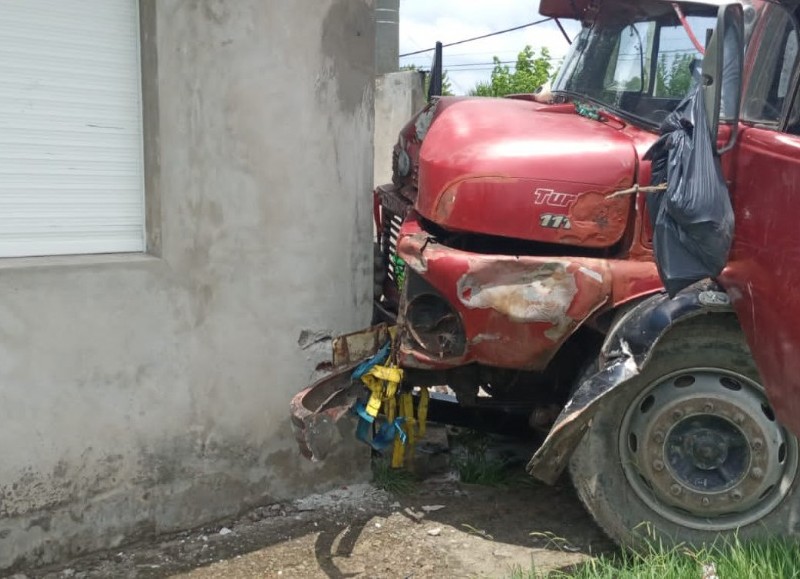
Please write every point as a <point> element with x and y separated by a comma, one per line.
<point>626,351</point>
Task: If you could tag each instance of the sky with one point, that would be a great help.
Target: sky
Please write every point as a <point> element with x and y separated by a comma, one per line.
<point>423,22</point>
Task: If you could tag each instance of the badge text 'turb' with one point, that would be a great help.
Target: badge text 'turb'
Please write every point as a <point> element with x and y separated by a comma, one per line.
<point>553,198</point>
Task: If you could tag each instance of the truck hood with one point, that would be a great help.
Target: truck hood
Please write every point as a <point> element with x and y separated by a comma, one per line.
<point>518,169</point>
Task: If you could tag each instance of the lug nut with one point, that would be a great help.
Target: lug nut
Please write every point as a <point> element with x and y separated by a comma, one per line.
<point>658,465</point>
<point>708,407</point>
<point>706,501</point>
<point>675,489</point>
<point>758,444</point>
<point>658,436</point>
<point>757,473</point>
<point>677,414</point>
<point>738,418</point>
<point>736,495</point>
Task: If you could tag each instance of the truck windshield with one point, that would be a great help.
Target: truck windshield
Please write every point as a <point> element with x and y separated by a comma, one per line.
<point>637,67</point>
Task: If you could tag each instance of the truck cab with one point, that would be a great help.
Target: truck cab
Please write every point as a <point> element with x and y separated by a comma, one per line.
<point>517,258</point>
<point>525,248</point>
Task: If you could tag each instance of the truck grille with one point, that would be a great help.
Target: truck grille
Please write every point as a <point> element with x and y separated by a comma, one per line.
<point>389,268</point>
<point>395,268</point>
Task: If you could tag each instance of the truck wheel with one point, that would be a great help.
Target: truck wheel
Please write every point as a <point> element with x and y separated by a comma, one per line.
<point>692,450</point>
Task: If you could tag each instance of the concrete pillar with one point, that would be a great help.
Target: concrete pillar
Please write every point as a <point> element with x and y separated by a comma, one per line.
<point>387,36</point>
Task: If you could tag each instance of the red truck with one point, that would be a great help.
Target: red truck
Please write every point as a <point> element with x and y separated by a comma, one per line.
<point>521,278</point>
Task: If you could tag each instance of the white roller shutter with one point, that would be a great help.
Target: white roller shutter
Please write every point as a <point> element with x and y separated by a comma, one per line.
<point>71,176</point>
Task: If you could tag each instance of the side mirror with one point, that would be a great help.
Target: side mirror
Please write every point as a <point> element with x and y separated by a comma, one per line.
<point>722,72</point>
<point>435,86</point>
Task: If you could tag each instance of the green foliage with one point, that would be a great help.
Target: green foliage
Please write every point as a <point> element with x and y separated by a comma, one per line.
<point>477,468</point>
<point>673,76</point>
<point>732,559</point>
<point>397,481</point>
<point>530,73</point>
<point>475,465</point>
<point>447,89</point>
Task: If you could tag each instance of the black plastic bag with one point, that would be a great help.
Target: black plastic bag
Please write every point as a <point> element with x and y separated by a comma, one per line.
<point>693,218</point>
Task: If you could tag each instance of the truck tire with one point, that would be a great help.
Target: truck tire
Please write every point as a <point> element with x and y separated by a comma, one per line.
<point>692,450</point>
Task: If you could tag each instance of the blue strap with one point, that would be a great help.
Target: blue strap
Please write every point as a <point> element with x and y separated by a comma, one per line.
<point>363,430</point>
<point>361,410</point>
<point>398,427</point>
<point>387,431</point>
<point>379,358</point>
<point>384,437</point>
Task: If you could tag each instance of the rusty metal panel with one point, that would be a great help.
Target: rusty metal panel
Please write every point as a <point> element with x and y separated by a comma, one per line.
<point>355,347</point>
<point>317,410</point>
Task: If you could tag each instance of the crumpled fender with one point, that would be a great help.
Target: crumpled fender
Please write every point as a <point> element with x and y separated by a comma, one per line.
<point>626,351</point>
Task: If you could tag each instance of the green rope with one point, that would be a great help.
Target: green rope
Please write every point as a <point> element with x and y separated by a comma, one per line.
<point>399,270</point>
<point>588,111</point>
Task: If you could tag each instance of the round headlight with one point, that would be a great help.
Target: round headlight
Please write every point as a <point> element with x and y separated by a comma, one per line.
<point>403,164</point>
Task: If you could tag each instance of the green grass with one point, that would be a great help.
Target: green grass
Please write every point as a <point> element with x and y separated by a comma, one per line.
<point>477,468</point>
<point>397,481</point>
<point>775,559</point>
<point>474,463</point>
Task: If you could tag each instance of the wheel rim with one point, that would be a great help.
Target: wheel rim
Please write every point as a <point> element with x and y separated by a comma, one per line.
<point>702,448</point>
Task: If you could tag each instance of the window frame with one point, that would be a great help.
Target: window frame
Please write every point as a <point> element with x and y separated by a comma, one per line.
<point>790,105</point>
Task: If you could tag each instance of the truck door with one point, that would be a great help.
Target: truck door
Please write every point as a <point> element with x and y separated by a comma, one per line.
<point>763,273</point>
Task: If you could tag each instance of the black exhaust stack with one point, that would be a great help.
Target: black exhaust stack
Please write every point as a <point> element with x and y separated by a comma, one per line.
<point>435,86</point>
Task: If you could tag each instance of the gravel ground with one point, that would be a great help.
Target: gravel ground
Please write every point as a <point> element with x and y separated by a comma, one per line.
<point>443,528</point>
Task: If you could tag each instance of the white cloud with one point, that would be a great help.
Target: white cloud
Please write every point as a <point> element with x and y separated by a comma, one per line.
<point>423,22</point>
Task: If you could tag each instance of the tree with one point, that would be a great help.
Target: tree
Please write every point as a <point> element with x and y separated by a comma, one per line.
<point>530,73</point>
<point>447,89</point>
<point>674,78</point>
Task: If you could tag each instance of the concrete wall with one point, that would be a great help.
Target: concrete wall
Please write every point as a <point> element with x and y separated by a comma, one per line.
<point>398,96</point>
<point>143,394</point>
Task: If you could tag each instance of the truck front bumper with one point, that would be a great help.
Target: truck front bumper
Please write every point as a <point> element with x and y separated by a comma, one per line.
<point>461,307</point>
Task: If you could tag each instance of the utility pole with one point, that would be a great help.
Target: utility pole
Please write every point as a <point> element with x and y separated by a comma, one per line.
<point>387,36</point>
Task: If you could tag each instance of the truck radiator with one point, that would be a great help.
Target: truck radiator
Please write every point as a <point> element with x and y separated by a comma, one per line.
<point>391,231</point>
<point>391,210</point>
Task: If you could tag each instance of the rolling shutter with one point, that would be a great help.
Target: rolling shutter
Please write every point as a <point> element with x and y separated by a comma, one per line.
<point>71,169</point>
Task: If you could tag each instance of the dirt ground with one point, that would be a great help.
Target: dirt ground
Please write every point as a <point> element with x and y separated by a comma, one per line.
<point>442,528</point>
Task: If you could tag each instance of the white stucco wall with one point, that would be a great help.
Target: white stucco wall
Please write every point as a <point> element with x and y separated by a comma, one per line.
<point>148,393</point>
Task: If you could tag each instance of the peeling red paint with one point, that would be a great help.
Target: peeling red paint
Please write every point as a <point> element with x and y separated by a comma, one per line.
<point>533,302</point>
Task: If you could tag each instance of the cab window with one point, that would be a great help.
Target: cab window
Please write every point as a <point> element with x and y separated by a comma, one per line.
<point>769,89</point>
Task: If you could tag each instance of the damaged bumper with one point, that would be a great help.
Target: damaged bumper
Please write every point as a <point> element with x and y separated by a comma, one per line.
<point>508,311</point>
<point>317,411</point>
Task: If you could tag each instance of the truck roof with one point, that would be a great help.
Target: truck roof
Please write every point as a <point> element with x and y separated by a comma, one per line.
<point>575,8</point>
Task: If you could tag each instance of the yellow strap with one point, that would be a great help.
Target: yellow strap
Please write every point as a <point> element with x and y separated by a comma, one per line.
<point>422,411</point>
<point>390,409</point>
<point>382,382</point>
<point>394,375</point>
<point>374,404</point>
<point>407,411</point>
<point>376,395</point>
<point>398,453</point>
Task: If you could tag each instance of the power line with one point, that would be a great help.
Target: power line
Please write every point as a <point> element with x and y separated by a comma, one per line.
<point>461,66</point>
<point>482,52</point>
<point>423,64</point>
<point>492,63</point>
<point>480,37</point>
